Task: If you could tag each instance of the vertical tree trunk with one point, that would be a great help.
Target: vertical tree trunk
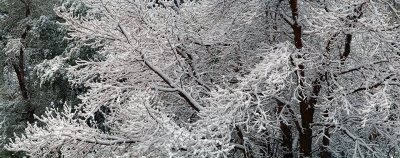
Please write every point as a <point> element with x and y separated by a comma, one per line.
<point>27,8</point>
<point>325,139</point>
<point>287,139</point>
<point>306,103</point>
<point>20,69</point>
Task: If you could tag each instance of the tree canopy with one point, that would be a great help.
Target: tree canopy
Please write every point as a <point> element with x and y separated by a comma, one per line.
<point>211,78</point>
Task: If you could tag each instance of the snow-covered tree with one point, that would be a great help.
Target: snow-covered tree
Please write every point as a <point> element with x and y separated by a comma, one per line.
<point>229,78</point>
<point>30,35</point>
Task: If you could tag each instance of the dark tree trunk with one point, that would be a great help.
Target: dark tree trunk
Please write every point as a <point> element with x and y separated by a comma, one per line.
<point>27,8</point>
<point>325,139</point>
<point>306,103</point>
<point>347,48</point>
<point>306,112</point>
<point>19,69</point>
<point>287,139</point>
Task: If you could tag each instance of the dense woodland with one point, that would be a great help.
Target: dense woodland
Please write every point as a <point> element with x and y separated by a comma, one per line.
<point>200,78</point>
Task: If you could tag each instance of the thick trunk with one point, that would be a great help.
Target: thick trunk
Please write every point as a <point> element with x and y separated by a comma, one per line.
<point>287,139</point>
<point>306,112</point>
<point>297,35</point>
<point>306,103</point>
